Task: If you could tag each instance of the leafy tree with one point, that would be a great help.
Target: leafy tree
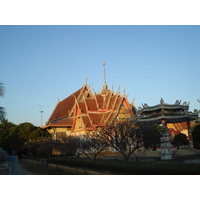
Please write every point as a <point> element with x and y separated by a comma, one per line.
<point>25,130</point>
<point>13,141</point>
<point>2,89</point>
<point>13,137</point>
<point>38,133</point>
<point>5,128</point>
<point>123,136</point>
<point>180,140</point>
<point>2,112</point>
<point>196,136</point>
<point>150,135</point>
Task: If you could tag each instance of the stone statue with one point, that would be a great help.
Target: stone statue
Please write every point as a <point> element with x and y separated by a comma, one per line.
<point>161,101</point>
<point>145,105</point>
<point>4,168</point>
<point>178,102</point>
<point>185,103</point>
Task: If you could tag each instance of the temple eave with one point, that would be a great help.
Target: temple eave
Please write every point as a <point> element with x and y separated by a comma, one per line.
<point>168,119</point>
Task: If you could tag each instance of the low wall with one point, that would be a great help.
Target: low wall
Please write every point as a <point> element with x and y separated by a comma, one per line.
<point>180,152</point>
<point>9,166</point>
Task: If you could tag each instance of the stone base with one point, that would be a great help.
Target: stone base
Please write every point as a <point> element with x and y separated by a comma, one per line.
<point>166,157</point>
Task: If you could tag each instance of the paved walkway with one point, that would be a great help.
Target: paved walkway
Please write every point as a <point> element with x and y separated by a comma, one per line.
<point>22,171</point>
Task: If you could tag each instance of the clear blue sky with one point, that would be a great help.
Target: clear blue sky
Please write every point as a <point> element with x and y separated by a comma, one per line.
<point>39,64</point>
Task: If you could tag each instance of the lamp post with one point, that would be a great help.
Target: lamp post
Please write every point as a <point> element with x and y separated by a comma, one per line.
<point>41,111</point>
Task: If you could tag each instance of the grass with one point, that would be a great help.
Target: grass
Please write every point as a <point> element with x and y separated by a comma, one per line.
<point>115,166</point>
<point>37,169</point>
<point>132,168</point>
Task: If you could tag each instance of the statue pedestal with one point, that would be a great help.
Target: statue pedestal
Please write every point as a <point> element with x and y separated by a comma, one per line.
<point>166,153</point>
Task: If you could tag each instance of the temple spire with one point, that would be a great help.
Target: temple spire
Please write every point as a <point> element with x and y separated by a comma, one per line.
<point>105,85</point>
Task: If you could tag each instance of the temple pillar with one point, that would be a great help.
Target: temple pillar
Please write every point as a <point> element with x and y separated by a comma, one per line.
<point>165,144</point>
<point>191,146</point>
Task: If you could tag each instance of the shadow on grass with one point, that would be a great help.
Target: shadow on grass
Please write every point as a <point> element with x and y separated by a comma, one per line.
<point>118,167</point>
<point>114,166</point>
<point>36,168</point>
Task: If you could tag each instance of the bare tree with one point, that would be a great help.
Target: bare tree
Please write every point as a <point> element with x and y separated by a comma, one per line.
<point>95,143</point>
<point>46,147</point>
<point>62,144</point>
<point>123,136</point>
<point>72,145</point>
<point>42,145</point>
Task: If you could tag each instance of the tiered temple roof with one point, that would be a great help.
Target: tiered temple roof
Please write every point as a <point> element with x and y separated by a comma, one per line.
<point>171,113</point>
<point>84,111</point>
<point>63,112</point>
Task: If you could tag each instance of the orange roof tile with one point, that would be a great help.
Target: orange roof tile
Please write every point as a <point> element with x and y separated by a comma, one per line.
<point>82,107</point>
<point>113,101</point>
<point>91,104</point>
<point>63,107</point>
<point>107,100</point>
<point>94,110</point>
<point>86,121</point>
<point>105,117</point>
<point>96,118</point>
<point>100,100</point>
<point>118,103</point>
<point>64,122</point>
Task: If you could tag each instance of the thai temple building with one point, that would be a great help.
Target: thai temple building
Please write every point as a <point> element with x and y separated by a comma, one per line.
<point>176,128</point>
<point>83,110</point>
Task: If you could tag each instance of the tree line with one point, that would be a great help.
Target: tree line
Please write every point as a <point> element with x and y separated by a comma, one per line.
<point>124,136</point>
<point>14,137</point>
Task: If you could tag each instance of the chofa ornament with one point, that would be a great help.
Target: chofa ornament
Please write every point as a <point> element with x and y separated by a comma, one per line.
<point>185,103</point>
<point>178,102</point>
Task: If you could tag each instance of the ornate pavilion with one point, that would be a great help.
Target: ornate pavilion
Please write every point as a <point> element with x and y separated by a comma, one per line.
<point>167,114</point>
<point>83,110</point>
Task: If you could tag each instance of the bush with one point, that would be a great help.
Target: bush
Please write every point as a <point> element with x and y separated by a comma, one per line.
<point>132,168</point>
<point>180,140</point>
<point>196,137</point>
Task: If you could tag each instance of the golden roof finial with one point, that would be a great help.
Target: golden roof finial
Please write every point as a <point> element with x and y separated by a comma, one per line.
<point>118,89</point>
<point>124,90</point>
<point>133,100</point>
<point>86,80</point>
<point>105,85</point>
<point>113,87</point>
